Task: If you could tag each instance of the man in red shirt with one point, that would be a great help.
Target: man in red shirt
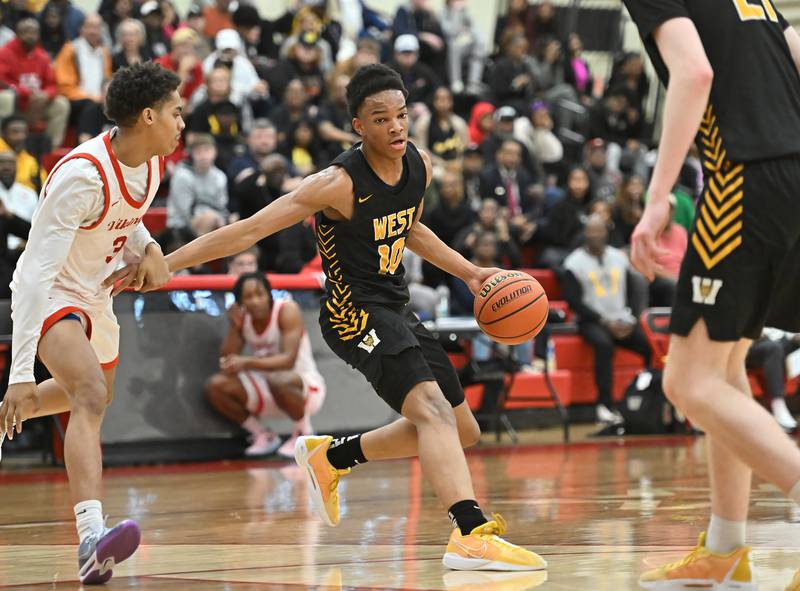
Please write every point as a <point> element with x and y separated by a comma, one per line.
<point>29,84</point>
<point>184,61</point>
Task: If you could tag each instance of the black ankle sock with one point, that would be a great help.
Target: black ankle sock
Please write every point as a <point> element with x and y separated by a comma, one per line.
<point>466,516</point>
<point>345,452</point>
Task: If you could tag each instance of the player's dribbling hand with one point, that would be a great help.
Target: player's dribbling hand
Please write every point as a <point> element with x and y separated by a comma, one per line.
<point>17,397</point>
<point>480,275</point>
<point>645,252</point>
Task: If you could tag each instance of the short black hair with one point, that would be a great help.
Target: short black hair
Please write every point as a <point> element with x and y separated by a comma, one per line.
<point>136,88</point>
<point>13,118</point>
<point>369,80</point>
<point>244,278</point>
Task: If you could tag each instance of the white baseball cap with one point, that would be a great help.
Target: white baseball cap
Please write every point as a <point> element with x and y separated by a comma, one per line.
<point>406,43</point>
<point>228,39</point>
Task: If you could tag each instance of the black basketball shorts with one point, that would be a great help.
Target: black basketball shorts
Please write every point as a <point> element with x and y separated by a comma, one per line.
<point>742,267</point>
<point>395,352</point>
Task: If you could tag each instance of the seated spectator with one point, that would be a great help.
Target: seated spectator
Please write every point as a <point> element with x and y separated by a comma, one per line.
<point>307,23</point>
<point>196,21</point>
<point>303,147</point>
<point>512,79</point>
<point>418,19</point>
<point>368,52</point>
<point>595,287</point>
<point>279,378</point>
<point>14,132</point>
<point>768,354</point>
<point>673,242</point>
<point>293,108</point>
<point>16,198</point>
<point>627,210</point>
<point>253,29</point>
<point>464,47</point>
<point>471,169</point>
<point>83,65</point>
<point>448,218</point>
<point>217,16</point>
<point>419,79</point>
<point>184,61</point>
<point>578,71</point>
<point>441,132</point>
<point>303,61</point>
<point>261,142</point>
<point>30,83</point>
<point>10,225</point>
<point>481,122</point>
<point>507,181</point>
<point>244,262</point>
<point>114,12</point>
<point>218,115</point>
<point>614,119</point>
<point>156,43</point>
<point>52,31</point>
<point>334,121</point>
<point>504,131</point>
<point>536,134</point>
<point>490,220</point>
<point>130,37</point>
<point>605,181</point>
<point>72,17</point>
<point>93,120</point>
<point>230,53</point>
<point>198,191</point>
<point>562,229</point>
<point>550,70</point>
<point>517,20</point>
<point>628,72</point>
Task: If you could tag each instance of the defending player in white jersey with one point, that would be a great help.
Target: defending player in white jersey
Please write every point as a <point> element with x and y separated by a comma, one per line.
<point>280,378</point>
<point>90,212</point>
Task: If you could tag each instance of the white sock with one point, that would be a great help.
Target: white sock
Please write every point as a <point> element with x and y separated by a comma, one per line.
<point>781,412</point>
<point>794,494</point>
<point>725,536</point>
<point>253,426</point>
<point>89,518</point>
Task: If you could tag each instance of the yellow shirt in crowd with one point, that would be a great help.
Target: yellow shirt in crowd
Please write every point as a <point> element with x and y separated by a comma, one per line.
<point>26,167</point>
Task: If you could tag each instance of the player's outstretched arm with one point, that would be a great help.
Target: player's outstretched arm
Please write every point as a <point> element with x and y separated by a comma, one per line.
<point>690,77</point>
<point>330,188</point>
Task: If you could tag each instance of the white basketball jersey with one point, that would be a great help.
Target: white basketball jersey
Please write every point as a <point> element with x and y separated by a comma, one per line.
<point>97,249</point>
<point>268,343</point>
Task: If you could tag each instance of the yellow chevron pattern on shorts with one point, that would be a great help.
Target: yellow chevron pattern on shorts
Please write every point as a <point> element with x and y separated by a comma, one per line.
<point>348,320</point>
<point>718,229</point>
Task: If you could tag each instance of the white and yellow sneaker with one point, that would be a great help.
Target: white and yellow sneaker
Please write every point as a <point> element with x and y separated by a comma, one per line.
<point>484,549</point>
<point>311,454</point>
<point>703,569</point>
<point>493,581</point>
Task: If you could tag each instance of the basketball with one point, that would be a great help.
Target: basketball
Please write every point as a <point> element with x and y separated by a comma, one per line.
<point>511,307</point>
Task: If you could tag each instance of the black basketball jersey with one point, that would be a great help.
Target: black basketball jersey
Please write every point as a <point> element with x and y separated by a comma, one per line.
<point>754,106</point>
<point>363,257</point>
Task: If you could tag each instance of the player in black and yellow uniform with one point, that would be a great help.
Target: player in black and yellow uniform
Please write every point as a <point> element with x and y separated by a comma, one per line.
<point>368,205</point>
<point>731,70</point>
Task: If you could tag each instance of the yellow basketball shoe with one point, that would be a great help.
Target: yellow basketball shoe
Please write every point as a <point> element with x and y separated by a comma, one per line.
<point>311,454</point>
<point>702,569</point>
<point>795,584</point>
<point>484,549</point>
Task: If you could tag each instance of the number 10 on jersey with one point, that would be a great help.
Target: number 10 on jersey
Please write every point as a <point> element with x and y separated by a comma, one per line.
<point>391,257</point>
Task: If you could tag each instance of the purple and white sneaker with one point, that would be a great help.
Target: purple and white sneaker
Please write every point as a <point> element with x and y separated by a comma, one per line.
<point>98,554</point>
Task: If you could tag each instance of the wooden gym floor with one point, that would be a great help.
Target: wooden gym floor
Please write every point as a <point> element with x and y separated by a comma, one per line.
<point>599,511</point>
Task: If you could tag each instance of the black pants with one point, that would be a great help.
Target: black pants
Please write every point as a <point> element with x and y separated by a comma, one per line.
<point>770,356</point>
<point>603,344</point>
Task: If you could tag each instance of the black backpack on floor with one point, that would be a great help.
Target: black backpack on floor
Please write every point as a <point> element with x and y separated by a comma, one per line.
<point>645,407</point>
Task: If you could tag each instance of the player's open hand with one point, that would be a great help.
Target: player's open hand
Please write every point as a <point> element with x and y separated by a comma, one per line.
<point>645,252</point>
<point>19,398</point>
<point>480,275</point>
<point>122,278</point>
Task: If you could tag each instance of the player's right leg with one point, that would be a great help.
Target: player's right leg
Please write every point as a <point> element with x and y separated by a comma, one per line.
<point>66,352</point>
<point>229,397</point>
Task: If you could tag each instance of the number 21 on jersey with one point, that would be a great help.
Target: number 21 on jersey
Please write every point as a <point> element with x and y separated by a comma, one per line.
<point>756,10</point>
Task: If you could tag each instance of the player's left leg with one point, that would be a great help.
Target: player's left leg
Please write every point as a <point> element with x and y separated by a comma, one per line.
<point>290,394</point>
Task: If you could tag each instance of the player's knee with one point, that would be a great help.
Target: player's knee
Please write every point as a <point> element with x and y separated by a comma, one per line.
<point>89,395</point>
<point>684,390</point>
<point>427,405</point>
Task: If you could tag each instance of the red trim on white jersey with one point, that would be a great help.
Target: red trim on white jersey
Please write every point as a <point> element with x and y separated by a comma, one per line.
<point>123,188</point>
<point>103,179</point>
<point>111,364</point>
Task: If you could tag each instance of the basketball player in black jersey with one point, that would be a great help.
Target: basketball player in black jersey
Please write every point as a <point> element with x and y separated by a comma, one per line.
<point>731,69</point>
<point>368,205</point>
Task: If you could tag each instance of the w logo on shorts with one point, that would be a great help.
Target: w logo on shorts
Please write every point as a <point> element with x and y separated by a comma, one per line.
<point>705,290</point>
<point>370,341</point>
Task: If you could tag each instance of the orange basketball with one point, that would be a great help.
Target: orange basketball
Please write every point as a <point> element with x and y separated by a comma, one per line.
<point>511,307</point>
